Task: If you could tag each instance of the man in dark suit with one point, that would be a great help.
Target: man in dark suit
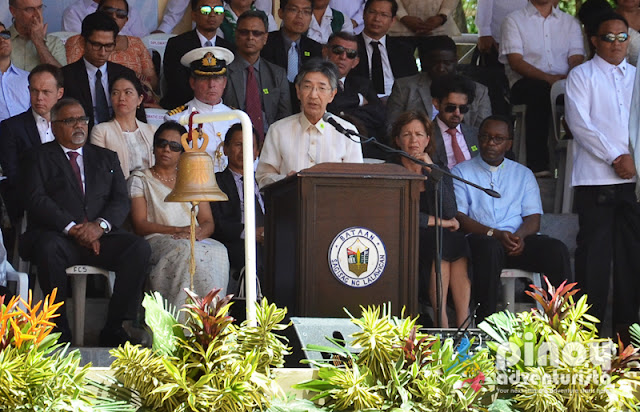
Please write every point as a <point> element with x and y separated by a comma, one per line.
<point>229,216</point>
<point>87,80</point>
<point>255,85</point>
<point>382,58</point>
<point>455,141</point>
<point>356,96</point>
<point>289,47</point>
<point>28,129</point>
<point>208,16</point>
<point>76,199</point>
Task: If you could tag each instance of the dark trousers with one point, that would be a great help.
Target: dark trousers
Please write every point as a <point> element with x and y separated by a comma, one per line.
<point>122,252</point>
<point>541,254</point>
<point>535,94</point>
<point>609,218</point>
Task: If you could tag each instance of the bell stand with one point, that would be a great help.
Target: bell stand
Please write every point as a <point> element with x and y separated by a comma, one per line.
<point>249,200</point>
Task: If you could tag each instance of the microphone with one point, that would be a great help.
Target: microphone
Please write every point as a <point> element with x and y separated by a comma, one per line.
<point>492,193</point>
<point>328,117</point>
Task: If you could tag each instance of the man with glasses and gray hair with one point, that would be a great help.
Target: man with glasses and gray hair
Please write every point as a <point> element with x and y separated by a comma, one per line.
<point>87,79</point>
<point>31,43</point>
<point>304,139</point>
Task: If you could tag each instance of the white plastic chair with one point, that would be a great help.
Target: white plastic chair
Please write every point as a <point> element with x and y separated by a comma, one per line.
<point>157,42</point>
<point>508,278</point>
<point>519,112</point>
<point>564,150</point>
<point>155,116</point>
<point>64,35</point>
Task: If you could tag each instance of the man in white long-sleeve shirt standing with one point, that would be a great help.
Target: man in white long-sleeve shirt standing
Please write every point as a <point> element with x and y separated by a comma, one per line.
<point>598,101</point>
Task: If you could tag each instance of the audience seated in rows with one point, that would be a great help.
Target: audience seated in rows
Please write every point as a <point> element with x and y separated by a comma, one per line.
<point>325,21</point>
<point>502,232</point>
<point>412,133</point>
<point>87,80</point>
<point>132,24</point>
<point>76,201</point>
<point>130,138</point>
<point>208,67</point>
<point>129,51</point>
<point>165,225</point>
<point>254,84</point>
<point>233,9</point>
<point>207,16</point>
<point>13,81</point>
<point>304,139</point>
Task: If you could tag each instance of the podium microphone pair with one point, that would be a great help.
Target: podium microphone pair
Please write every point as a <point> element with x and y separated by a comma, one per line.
<point>329,118</point>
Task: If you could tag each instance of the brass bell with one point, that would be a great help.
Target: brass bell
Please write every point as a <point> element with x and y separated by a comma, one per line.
<point>196,180</point>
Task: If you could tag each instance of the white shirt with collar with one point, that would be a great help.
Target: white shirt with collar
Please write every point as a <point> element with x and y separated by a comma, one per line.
<point>91,73</point>
<point>203,39</point>
<point>545,43</point>
<point>597,105</point>
<point>386,64</point>
<point>446,138</point>
<point>44,128</point>
<point>491,13</point>
<point>320,32</point>
<point>76,12</point>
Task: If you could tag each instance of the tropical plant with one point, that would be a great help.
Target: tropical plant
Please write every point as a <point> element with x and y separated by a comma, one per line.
<point>553,360</point>
<point>205,364</point>
<point>397,368</point>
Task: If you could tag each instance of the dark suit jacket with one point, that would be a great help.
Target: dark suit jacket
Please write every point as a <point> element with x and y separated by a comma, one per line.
<point>17,135</point>
<point>76,85</point>
<point>401,58</point>
<point>470,136</point>
<point>178,89</point>
<point>53,198</point>
<point>276,102</point>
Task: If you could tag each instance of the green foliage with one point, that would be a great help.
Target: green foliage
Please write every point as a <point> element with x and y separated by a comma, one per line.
<point>397,369</point>
<point>205,364</point>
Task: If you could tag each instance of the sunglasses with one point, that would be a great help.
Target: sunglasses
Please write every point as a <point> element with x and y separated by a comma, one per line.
<point>5,34</point>
<point>485,138</point>
<point>247,32</point>
<point>72,121</point>
<point>610,37</point>
<point>450,108</point>
<point>121,14</point>
<point>338,50</point>
<point>206,10</point>
<point>173,146</point>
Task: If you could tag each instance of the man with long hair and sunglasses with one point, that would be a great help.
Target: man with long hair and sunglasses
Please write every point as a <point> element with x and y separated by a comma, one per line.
<point>207,16</point>
<point>76,12</point>
<point>598,103</point>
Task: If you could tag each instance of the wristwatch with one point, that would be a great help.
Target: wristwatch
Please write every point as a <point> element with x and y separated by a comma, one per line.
<point>490,232</point>
<point>103,225</point>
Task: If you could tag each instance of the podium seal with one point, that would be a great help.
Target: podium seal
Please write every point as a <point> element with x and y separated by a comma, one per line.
<point>357,257</point>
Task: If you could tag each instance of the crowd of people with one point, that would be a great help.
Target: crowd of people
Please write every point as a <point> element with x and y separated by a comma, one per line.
<point>79,158</point>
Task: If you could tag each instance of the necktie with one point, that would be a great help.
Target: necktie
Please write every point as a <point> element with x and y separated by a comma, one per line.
<point>292,63</point>
<point>102,107</point>
<point>376,68</point>
<point>252,102</point>
<point>73,156</point>
<point>457,152</point>
<point>341,85</point>
<point>208,43</point>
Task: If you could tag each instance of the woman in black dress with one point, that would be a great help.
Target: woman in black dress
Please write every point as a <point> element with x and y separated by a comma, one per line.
<point>411,133</point>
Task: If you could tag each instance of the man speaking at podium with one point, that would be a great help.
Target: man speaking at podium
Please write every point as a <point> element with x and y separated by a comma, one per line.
<point>304,140</point>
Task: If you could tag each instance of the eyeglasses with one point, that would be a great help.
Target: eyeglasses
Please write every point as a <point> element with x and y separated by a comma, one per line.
<point>450,108</point>
<point>72,121</point>
<point>610,37</point>
<point>485,138</point>
<point>307,88</point>
<point>297,11</point>
<point>378,14</point>
<point>338,50</point>
<point>173,146</point>
<point>206,10</point>
<point>119,13</point>
<point>31,10</point>
<point>95,46</point>
<point>247,32</point>
<point>5,34</point>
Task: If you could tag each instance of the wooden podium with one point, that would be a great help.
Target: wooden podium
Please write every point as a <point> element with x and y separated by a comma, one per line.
<point>306,213</point>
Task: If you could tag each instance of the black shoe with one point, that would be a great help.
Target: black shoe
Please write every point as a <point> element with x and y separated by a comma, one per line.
<point>112,338</point>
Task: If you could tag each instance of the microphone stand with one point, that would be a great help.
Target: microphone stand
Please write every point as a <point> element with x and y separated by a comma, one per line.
<point>436,173</point>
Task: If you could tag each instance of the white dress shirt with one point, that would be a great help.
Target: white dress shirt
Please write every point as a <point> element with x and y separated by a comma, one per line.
<point>320,32</point>
<point>491,13</point>
<point>386,64</point>
<point>203,39</point>
<point>446,138</point>
<point>352,10</point>
<point>173,12</point>
<point>91,73</point>
<point>76,12</point>
<point>44,128</point>
<point>597,105</point>
<point>545,43</point>
<point>294,143</point>
<point>14,92</point>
